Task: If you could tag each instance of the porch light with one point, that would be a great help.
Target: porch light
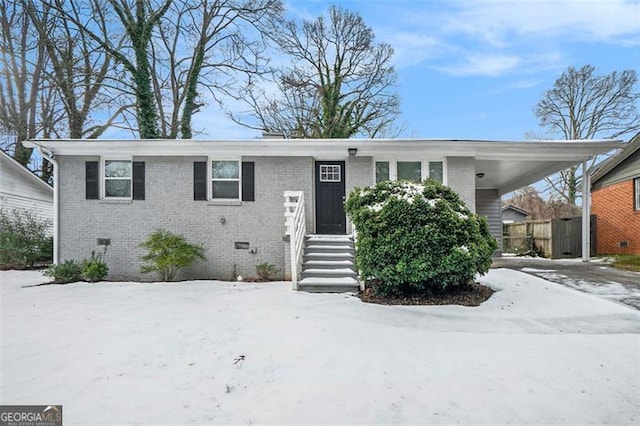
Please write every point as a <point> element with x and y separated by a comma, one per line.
<point>480,175</point>
<point>352,152</point>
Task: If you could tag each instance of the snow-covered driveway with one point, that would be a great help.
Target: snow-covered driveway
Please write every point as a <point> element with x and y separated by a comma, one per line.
<point>115,353</point>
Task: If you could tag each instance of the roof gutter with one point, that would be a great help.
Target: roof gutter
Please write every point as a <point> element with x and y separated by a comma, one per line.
<point>48,155</point>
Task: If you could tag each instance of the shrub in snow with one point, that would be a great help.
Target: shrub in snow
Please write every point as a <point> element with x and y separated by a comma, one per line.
<point>69,271</point>
<point>417,238</point>
<point>23,239</point>
<point>94,269</point>
<point>266,271</point>
<point>168,253</point>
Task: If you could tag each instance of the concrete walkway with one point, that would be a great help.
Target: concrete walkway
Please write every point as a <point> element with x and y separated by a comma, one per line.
<point>595,277</point>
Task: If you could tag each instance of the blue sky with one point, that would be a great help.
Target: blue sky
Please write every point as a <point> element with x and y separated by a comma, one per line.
<point>474,69</point>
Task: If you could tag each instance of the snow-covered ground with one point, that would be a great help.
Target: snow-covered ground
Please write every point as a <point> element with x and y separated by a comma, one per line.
<point>597,277</point>
<point>116,353</point>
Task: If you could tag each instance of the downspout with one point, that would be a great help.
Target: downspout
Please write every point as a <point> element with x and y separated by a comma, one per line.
<point>48,155</point>
<point>586,212</point>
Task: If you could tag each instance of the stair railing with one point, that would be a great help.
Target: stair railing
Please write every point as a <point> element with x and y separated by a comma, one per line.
<point>296,230</point>
<point>354,235</point>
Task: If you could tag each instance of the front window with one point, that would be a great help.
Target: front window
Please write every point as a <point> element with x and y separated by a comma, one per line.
<point>636,186</point>
<point>225,180</point>
<point>410,170</point>
<point>435,170</point>
<point>117,179</point>
<point>382,171</point>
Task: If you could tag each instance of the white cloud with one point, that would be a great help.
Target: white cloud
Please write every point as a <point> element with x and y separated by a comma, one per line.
<point>499,64</point>
<point>507,22</point>
<point>526,84</point>
<point>412,48</point>
<point>504,37</point>
<point>483,65</point>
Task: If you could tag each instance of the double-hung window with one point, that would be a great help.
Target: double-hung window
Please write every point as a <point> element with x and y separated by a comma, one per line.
<point>118,179</point>
<point>636,193</point>
<point>225,179</point>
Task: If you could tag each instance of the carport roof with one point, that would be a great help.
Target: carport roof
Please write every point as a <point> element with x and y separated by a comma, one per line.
<point>507,165</point>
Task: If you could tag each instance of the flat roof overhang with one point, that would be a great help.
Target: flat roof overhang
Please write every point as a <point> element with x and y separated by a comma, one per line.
<point>507,165</point>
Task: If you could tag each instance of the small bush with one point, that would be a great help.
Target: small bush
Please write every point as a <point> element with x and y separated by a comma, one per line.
<point>67,272</point>
<point>417,238</point>
<point>266,271</point>
<point>168,253</point>
<point>23,239</point>
<point>94,269</point>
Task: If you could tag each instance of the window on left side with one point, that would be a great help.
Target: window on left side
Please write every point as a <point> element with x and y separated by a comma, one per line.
<point>117,179</point>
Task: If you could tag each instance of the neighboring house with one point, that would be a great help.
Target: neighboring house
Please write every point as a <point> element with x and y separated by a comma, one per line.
<point>615,200</point>
<point>21,189</point>
<point>230,195</point>
<point>513,214</point>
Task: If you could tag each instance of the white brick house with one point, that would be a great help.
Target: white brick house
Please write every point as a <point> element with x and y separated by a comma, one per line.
<point>228,195</point>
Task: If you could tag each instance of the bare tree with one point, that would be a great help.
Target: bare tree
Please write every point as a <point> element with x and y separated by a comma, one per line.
<point>585,105</point>
<point>529,199</point>
<point>23,62</point>
<point>207,45</point>
<point>78,68</point>
<point>340,83</point>
<point>123,29</point>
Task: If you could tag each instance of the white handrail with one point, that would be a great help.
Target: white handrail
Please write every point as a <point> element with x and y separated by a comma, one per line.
<point>296,229</point>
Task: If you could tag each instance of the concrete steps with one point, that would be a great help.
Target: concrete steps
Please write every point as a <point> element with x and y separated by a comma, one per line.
<point>328,265</point>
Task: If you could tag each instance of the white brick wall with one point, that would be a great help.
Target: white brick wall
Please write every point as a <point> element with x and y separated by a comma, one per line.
<point>461,177</point>
<point>359,173</point>
<point>169,204</point>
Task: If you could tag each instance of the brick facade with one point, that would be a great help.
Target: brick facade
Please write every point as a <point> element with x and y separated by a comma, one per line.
<point>616,219</point>
<point>169,204</point>
<point>461,177</point>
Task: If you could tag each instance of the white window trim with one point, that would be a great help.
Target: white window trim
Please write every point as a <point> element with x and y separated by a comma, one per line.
<point>339,166</point>
<point>424,167</point>
<point>444,168</point>
<point>636,194</point>
<point>210,179</point>
<point>103,178</point>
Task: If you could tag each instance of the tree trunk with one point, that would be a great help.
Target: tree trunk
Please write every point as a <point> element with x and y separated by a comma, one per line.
<point>145,105</point>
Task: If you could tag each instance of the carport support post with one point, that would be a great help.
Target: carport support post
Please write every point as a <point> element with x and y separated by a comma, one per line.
<point>586,213</point>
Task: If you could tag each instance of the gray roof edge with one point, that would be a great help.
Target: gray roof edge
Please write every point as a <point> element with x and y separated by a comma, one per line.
<point>607,166</point>
<point>516,208</point>
<point>26,171</point>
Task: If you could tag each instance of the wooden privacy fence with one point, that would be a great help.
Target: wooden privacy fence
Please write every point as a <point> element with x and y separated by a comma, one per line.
<point>557,238</point>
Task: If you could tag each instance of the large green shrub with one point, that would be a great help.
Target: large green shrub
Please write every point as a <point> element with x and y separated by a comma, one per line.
<point>23,239</point>
<point>417,238</point>
<point>168,253</point>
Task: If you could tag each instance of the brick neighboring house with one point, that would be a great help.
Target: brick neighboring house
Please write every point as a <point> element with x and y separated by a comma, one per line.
<point>615,200</point>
